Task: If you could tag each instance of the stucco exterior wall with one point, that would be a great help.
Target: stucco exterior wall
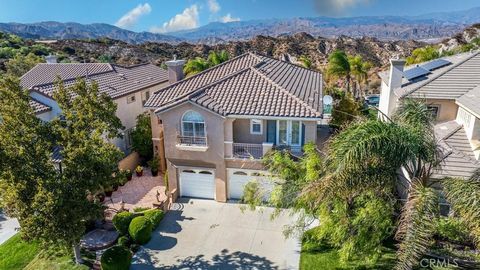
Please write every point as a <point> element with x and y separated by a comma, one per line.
<point>241,132</point>
<point>214,125</point>
<point>447,109</point>
<point>310,131</point>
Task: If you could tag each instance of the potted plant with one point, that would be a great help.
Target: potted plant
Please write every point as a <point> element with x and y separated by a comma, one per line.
<point>154,163</point>
<point>128,174</point>
<point>139,170</point>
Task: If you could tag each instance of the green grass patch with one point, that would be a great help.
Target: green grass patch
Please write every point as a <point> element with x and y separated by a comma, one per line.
<point>325,258</point>
<point>47,260</point>
<point>16,253</point>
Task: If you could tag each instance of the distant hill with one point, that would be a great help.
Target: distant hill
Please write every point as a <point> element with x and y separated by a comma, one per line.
<point>57,30</point>
<point>427,27</point>
<point>423,27</point>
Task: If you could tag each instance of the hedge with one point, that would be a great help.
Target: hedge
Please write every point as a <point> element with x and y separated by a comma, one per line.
<point>116,258</point>
<point>155,216</point>
<point>121,221</point>
<point>140,230</point>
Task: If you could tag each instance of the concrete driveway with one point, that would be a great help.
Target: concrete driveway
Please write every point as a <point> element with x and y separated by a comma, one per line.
<point>8,227</point>
<point>204,234</point>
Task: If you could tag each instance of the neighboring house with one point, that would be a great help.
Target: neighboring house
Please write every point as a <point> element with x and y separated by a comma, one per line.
<point>129,87</point>
<point>451,88</point>
<point>213,128</point>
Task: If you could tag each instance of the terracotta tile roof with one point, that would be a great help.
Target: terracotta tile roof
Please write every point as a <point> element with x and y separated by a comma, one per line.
<point>471,101</point>
<point>38,107</point>
<point>458,157</point>
<point>113,80</point>
<point>249,84</point>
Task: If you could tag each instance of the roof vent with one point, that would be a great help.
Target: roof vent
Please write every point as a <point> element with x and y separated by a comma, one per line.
<point>122,75</point>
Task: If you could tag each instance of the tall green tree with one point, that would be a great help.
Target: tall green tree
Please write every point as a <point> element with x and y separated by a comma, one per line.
<point>339,67</point>
<point>305,61</point>
<point>194,66</point>
<point>142,137</point>
<point>216,58</point>
<point>345,110</point>
<point>424,54</point>
<point>359,69</point>
<point>21,64</point>
<point>25,160</point>
<point>53,206</point>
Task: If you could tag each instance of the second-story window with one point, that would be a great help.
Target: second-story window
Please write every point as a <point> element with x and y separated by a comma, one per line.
<point>130,99</point>
<point>193,125</point>
<point>256,126</point>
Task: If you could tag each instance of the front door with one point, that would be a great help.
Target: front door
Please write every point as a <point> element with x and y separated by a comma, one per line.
<point>289,133</point>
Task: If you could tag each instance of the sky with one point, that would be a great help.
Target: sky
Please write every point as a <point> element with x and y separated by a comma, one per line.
<point>161,16</point>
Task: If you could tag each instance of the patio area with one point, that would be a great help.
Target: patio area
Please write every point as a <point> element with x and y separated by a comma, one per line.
<point>143,191</point>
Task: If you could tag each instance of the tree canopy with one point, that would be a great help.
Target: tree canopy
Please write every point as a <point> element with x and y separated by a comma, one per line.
<point>53,205</point>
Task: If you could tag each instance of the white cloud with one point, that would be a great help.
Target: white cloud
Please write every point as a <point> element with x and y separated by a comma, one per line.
<point>131,17</point>
<point>188,19</point>
<point>228,18</point>
<point>336,7</point>
<point>213,6</point>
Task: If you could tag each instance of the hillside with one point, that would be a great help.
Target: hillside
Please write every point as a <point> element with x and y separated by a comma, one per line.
<point>317,49</point>
<point>428,27</point>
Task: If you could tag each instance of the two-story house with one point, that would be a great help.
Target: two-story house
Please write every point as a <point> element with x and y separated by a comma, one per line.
<point>451,88</point>
<point>213,128</point>
<point>129,87</point>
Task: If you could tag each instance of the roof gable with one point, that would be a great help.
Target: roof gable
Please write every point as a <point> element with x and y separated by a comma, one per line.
<point>249,85</point>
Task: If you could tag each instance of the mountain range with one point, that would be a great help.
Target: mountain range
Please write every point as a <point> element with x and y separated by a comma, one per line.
<point>427,27</point>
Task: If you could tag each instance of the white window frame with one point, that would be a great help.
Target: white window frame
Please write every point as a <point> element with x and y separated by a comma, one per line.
<point>256,122</point>
<point>193,125</point>
<point>289,132</point>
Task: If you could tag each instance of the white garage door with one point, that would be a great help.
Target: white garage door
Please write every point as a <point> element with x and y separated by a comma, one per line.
<point>238,178</point>
<point>197,183</point>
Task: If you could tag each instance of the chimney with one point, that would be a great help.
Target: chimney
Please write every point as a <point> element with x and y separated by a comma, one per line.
<point>388,99</point>
<point>396,73</point>
<point>51,59</point>
<point>175,70</point>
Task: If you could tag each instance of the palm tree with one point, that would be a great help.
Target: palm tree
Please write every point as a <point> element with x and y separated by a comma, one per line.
<point>305,61</point>
<point>378,149</point>
<point>359,70</point>
<point>339,66</point>
<point>194,66</point>
<point>216,58</point>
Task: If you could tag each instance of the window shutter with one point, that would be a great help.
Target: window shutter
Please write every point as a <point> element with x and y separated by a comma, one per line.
<point>271,131</point>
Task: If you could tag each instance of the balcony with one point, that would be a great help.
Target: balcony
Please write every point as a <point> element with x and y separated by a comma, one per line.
<point>192,143</point>
<point>247,150</point>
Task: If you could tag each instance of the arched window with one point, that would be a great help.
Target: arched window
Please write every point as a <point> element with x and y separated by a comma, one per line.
<point>239,173</point>
<point>205,172</point>
<point>193,124</point>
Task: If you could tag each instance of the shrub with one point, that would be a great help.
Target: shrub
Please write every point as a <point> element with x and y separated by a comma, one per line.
<point>140,230</point>
<point>124,241</point>
<point>142,137</point>
<point>155,216</point>
<point>452,229</point>
<point>121,221</point>
<point>140,209</point>
<point>116,258</point>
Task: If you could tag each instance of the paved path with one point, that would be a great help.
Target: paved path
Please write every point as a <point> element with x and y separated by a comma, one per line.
<point>204,234</point>
<point>8,227</point>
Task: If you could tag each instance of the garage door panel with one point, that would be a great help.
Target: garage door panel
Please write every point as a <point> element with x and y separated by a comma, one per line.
<point>239,178</point>
<point>199,185</point>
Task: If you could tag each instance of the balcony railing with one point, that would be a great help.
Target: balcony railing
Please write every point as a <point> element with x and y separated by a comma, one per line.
<point>296,150</point>
<point>247,150</point>
<point>192,141</point>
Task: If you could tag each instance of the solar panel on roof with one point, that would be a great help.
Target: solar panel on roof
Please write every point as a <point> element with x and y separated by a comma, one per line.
<point>438,63</point>
<point>415,73</point>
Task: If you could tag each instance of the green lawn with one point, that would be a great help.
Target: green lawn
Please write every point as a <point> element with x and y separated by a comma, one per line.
<point>328,259</point>
<point>16,254</point>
